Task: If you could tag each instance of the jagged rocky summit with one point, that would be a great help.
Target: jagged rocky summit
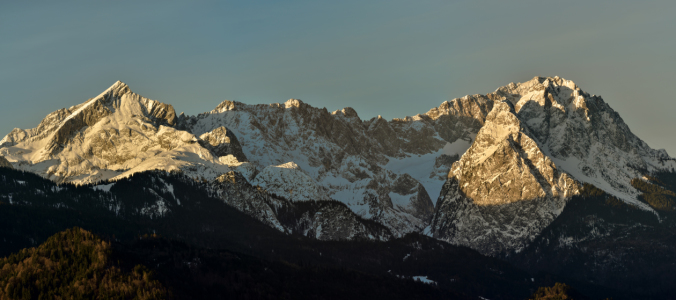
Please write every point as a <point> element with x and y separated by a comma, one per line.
<point>539,144</point>
<point>112,136</point>
<point>386,171</point>
<point>503,190</point>
<point>501,165</point>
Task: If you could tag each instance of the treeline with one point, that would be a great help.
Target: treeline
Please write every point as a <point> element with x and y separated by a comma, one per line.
<point>589,191</point>
<point>560,291</point>
<point>653,194</point>
<point>200,254</point>
<point>74,264</point>
<point>290,214</point>
<point>199,273</point>
<point>584,242</point>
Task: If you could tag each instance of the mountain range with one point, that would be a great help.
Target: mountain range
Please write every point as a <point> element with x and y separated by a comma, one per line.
<point>500,173</point>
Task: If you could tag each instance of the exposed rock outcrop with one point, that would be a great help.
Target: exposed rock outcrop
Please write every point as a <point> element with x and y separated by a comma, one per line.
<point>222,143</point>
<point>4,163</point>
<point>540,142</point>
<point>503,191</point>
<point>584,136</point>
<point>505,165</point>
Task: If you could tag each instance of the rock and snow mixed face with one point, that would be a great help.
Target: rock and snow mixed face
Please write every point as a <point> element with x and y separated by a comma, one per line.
<point>289,181</point>
<point>537,146</point>
<point>584,136</point>
<point>339,156</point>
<point>383,170</point>
<point>503,191</point>
<point>110,136</point>
<point>507,161</point>
<point>506,165</point>
<point>5,163</point>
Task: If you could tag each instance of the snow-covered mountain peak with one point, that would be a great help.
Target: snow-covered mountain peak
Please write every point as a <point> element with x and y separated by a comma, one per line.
<point>504,190</point>
<point>109,136</point>
<point>119,100</point>
<point>118,88</point>
<point>225,106</point>
<point>293,103</point>
<point>583,135</point>
<point>557,92</point>
<point>348,112</point>
<point>540,142</point>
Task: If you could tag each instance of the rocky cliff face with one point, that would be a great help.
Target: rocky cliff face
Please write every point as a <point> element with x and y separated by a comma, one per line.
<point>222,142</point>
<point>503,191</point>
<point>506,165</point>
<point>4,163</point>
<point>584,136</point>
<point>538,145</point>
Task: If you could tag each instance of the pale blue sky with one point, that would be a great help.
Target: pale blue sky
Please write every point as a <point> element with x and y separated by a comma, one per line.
<point>389,58</point>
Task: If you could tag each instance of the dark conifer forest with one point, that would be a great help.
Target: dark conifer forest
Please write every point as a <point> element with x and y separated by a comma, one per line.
<point>81,242</point>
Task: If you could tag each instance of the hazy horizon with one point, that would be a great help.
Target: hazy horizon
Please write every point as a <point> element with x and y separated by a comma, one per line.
<point>393,58</point>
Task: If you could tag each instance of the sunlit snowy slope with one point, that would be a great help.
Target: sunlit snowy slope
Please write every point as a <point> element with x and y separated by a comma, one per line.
<point>526,147</point>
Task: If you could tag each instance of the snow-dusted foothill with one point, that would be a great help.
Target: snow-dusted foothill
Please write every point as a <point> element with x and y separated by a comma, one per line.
<point>324,220</point>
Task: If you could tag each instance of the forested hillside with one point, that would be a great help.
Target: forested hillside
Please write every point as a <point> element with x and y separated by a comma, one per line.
<point>205,247</point>
<point>602,240</point>
<point>74,264</point>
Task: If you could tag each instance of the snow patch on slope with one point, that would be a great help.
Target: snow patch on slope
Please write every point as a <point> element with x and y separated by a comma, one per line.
<point>424,279</point>
<point>103,187</point>
<point>459,147</point>
<point>573,166</point>
<point>289,181</point>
